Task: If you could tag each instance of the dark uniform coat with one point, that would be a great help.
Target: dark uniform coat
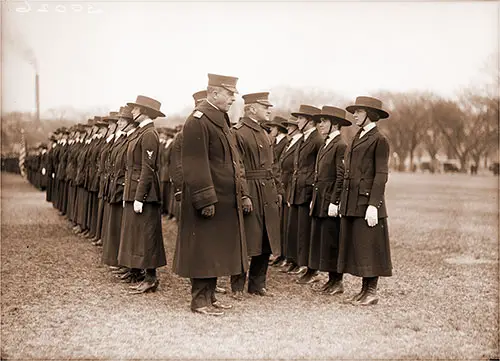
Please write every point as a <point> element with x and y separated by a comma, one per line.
<point>325,230</point>
<point>141,243</point>
<point>212,175</point>
<point>364,251</point>
<point>286,169</point>
<point>111,240</point>
<point>257,156</point>
<point>300,195</point>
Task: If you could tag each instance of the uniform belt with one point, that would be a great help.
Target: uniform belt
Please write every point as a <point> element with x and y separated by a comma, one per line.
<point>259,174</point>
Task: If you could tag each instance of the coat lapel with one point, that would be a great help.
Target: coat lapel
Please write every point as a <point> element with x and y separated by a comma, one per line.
<point>358,142</point>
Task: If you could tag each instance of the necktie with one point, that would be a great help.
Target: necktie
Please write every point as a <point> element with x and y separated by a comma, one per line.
<point>326,141</point>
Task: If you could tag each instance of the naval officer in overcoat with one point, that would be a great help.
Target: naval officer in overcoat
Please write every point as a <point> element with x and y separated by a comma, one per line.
<point>211,240</point>
<point>262,226</point>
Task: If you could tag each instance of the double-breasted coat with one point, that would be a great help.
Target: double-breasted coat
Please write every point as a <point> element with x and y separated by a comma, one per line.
<point>300,196</point>
<point>286,169</point>
<point>278,149</point>
<point>212,175</point>
<point>257,156</point>
<point>141,242</point>
<point>111,240</point>
<point>325,230</point>
<point>364,251</point>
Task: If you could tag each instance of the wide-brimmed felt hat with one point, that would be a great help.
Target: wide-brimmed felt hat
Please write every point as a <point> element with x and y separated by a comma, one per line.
<point>336,115</point>
<point>199,96</point>
<point>224,81</point>
<point>259,98</point>
<point>126,113</point>
<point>111,117</point>
<point>279,122</point>
<point>150,104</point>
<point>291,121</point>
<point>307,111</point>
<point>368,103</point>
<point>99,122</point>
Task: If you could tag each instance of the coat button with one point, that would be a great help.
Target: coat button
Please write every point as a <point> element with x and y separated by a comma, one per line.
<point>263,183</point>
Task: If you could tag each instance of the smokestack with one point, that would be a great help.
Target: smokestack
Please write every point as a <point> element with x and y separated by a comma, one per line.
<point>37,95</point>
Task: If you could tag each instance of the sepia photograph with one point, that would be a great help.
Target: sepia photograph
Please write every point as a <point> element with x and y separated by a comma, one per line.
<point>249,180</point>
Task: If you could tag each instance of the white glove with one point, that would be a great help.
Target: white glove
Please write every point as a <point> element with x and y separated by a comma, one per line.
<point>371,216</point>
<point>53,175</point>
<point>43,171</point>
<point>288,204</point>
<point>333,210</point>
<point>310,205</point>
<point>137,207</point>
<point>123,204</point>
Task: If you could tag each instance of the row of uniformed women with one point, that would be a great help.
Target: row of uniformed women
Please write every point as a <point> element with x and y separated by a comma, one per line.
<point>334,215</point>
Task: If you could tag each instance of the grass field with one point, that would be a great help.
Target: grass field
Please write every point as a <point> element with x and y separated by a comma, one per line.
<point>59,302</point>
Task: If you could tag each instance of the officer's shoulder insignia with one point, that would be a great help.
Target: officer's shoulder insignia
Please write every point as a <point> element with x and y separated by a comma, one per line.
<point>197,114</point>
<point>238,125</point>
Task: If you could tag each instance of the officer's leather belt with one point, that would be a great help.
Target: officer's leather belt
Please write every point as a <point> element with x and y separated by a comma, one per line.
<point>259,174</point>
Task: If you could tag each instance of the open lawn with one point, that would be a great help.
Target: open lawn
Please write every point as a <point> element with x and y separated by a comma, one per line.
<point>59,302</point>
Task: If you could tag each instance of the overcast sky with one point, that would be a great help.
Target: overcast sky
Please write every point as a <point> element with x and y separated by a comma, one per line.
<point>165,49</point>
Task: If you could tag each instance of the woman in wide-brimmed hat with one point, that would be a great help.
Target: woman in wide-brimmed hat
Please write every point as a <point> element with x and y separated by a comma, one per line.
<point>141,243</point>
<point>301,189</point>
<point>111,238</point>
<point>364,242</point>
<point>329,175</point>
<point>286,168</point>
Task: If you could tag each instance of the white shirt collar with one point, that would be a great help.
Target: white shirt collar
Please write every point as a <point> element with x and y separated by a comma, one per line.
<point>145,122</point>
<point>367,128</point>
<point>295,139</point>
<point>130,131</point>
<point>332,136</point>
<point>307,133</point>
<point>168,142</point>
<point>108,139</point>
<point>279,137</point>
<point>256,121</point>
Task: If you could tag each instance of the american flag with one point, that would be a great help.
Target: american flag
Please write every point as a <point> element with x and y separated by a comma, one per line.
<point>22,154</point>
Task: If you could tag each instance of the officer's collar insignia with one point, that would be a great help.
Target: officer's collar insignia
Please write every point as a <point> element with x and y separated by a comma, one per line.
<point>197,114</point>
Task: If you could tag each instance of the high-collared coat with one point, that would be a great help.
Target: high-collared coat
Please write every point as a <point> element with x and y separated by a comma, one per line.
<point>300,196</point>
<point>365,251</point>
<point>141,242</point>
<point>365,176</point>
<point>328,177</point>
<point>325,230</point>
<point>257,155</point>
<point>301,186</point>
<point>286,171</point>
<point>212,175</point>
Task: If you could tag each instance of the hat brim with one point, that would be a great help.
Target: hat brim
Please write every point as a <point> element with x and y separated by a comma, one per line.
<point>382,113</point>
<point>291,123</point>
<point>153,111</point>
<point>264,102</point>
<point>303,115</point>
<point>274,124</point>
<point>231,89</point>
<point>343,122</point>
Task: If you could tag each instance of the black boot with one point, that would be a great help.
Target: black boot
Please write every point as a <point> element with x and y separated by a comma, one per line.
<point>149,284</point>
<point>370,296</point>
<point>336,285</point>
<point>360,294</point>
<point>309,277</point>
